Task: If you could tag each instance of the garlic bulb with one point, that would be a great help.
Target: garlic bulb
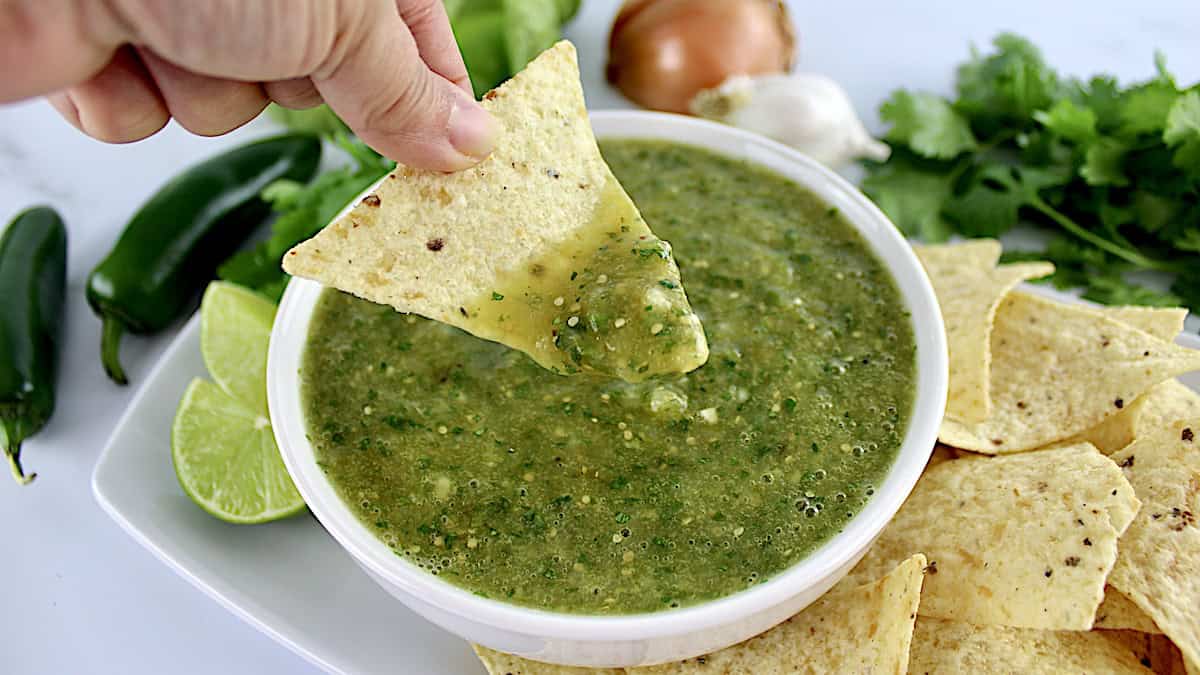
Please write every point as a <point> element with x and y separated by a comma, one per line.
<point>809,112</point>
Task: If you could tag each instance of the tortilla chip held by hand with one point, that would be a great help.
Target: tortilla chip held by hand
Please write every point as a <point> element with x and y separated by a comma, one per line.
<point>537,247</point>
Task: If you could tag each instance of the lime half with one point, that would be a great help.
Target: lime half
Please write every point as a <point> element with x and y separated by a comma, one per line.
<point>224,450</point>
<point>235,328</point>
<point>226,458</point>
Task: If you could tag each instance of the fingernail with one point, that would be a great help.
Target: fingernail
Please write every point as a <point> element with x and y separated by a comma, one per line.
<point>473,130</point>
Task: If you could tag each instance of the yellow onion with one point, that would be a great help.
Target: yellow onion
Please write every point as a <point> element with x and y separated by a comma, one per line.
<point>662,52</point>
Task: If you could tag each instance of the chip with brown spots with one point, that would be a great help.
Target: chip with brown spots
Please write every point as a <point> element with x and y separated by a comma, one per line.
<point>1008,534</point>
<point>1049,356</point>
<point>1159,564</point>
<point>444,241</point>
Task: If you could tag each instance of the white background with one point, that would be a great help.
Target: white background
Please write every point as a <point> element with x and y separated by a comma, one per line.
<point>78,596</point>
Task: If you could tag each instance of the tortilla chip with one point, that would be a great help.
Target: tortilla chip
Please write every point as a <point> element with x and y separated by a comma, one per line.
<point>496,249</point>
<point>1119,430</point>
<point>1159,565</point>
<point>1119,612</point>
<point>1163,405</point>
<point>1060,369</point>
<point>1164,323</point>
<point>969,287</point>
<point>1166,404</point>
<point>863,629</point>
<point>1022,540</point>
<point>499,663</point>
<point>941,646</point>
<point>941,453</point>
<point>860,629</point>
<point>1155,652</point>
<point>1115,432</point>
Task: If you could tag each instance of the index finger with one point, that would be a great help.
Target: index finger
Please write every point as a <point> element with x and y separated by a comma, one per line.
<point>430,27</point>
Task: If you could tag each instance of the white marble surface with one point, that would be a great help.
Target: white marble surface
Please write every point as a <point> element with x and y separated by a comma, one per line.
<point>81,597</point>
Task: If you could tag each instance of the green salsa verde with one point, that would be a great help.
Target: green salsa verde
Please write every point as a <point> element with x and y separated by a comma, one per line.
<point>591,495</point>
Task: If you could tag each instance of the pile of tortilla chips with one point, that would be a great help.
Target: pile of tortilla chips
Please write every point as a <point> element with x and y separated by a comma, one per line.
<point>1055,528</point>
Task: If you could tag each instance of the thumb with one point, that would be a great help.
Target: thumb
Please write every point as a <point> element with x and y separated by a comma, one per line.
<point>394,102</point>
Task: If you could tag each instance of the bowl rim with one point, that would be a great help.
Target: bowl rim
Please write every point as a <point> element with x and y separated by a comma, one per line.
<point>289,335</point>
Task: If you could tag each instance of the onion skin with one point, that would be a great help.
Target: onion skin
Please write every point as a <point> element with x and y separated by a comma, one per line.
<point>662,52</point>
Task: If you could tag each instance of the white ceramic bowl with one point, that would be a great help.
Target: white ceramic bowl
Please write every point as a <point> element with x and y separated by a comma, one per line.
<point>668,635</point>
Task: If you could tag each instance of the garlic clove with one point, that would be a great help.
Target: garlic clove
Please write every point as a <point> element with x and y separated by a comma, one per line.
<point>806,111</point>
<point>722,101</point>
<point>868,147</point>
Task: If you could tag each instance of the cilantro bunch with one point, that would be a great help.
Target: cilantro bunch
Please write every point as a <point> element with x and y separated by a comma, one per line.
<point>1110,174</point>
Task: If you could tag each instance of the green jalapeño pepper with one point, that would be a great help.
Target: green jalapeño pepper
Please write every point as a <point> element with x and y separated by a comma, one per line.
<point>172,246</point>
<point>33,270</point>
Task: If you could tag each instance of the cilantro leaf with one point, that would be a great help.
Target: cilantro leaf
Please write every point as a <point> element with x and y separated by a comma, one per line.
<point>1152,211</point>
<point>1112,289</point>
<point>1103,163</point>
<point>1144,108</point>
<point>1188,241</point>
<point>995,193</point>
<point>989,205</point>
<point>1006,87</point>
<point>927,124</point>
<point>1103,97</point>
<point>912,196</point>
<point>1182,131</point>
<point>1069,121</point>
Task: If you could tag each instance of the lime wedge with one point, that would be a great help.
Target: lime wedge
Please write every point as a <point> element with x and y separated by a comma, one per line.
<point>235,327</point>
<point>226,458</point>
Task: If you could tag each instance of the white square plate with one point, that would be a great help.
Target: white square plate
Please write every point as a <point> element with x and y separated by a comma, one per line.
<point>288,579</point>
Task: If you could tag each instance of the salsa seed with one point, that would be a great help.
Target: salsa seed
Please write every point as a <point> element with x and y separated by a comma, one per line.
<point>619,323</point>
<point>656,328</point>
<point>558,302</point>
<point>573,321</point>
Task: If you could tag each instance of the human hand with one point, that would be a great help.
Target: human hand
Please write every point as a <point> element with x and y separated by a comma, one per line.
<point>119,70</point>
